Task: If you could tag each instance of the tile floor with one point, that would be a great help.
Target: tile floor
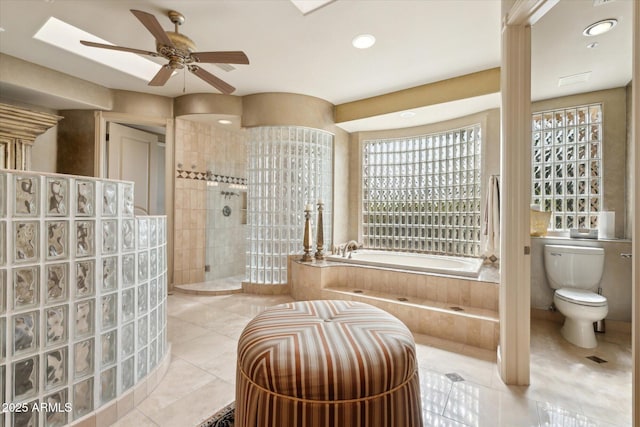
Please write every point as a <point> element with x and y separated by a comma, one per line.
<point>566,388</point>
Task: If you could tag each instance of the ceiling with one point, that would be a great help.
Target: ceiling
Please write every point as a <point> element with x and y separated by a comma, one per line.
<point>418,42</point>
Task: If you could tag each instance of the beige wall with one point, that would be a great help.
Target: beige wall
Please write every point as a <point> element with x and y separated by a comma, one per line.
<point>37,80</point>
<point>286,109</point>
<point>76,142</point>
<point>629,218</point>
<point>141,104</point>
<point>614,150</point>
<point>457,88</point>
<point>44,151</point>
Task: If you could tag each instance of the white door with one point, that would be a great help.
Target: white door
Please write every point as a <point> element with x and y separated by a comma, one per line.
<point>135,155</point>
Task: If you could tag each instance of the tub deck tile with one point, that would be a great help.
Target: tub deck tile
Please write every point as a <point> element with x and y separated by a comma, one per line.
<point>477,327</point>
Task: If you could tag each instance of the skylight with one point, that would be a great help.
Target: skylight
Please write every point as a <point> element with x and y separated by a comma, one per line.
<point>308,6</point>
<point>65,36</point>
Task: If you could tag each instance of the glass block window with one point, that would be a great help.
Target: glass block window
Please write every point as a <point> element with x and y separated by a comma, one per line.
<point>567,165</point>
<point>422,193</point>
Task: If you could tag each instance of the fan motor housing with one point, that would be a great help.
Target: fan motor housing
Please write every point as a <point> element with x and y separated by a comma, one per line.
<point>183,46</point>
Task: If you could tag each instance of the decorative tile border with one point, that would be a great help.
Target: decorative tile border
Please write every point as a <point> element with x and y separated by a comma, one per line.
<point>208,176</point>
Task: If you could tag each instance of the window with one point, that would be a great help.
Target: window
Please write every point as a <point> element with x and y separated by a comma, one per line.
<point>567,165</point>
<point>422,193</point>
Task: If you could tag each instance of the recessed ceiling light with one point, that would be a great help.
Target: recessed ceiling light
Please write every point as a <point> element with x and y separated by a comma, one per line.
<point>407,114</point>
<point>65,36</point>
<point>363,41</point>
<point>225,122</point>
<point>600,27</point>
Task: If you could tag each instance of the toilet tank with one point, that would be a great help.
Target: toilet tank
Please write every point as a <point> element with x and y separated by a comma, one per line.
<point>573,266</point>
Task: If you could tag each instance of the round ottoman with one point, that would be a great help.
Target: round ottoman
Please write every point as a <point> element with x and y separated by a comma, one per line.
<point>327,364</point>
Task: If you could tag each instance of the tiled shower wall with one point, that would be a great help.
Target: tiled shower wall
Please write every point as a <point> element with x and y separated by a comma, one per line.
<point>207,153</point>
<point>225,231</point>
<point>82,296</point>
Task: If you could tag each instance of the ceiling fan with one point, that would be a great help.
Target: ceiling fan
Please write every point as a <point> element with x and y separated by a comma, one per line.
<point>179,50</point>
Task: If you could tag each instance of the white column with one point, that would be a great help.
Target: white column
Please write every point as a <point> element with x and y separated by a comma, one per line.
<point>515,170</point>
<point>515,165</point>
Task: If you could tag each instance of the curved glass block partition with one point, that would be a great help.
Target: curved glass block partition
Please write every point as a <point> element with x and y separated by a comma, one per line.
<point>288,167</point>
<point>82,296</point>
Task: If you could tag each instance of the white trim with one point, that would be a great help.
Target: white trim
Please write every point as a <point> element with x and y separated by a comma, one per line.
<point>528,12</point>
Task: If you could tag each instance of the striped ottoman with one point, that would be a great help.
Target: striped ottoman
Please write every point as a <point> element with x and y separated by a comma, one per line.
<point>327,364</point>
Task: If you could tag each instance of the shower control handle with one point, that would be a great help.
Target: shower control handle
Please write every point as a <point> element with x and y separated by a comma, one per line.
<point>627,256</point>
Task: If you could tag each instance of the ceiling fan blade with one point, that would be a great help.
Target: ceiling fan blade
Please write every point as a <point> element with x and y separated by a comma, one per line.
<point>120,48</point>
<point>161,76</point>
<point>231,57</point>
<point>221,85</point>
<point>154,27</point>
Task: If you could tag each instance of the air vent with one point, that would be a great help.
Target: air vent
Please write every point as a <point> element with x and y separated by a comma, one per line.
<point>455,377</point>
<point>225,67</point>
<point>596,359</point>
<point>601,2</point>
<point>573,79</point>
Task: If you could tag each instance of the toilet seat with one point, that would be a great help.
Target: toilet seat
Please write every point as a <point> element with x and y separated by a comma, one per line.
<point>581,297</point>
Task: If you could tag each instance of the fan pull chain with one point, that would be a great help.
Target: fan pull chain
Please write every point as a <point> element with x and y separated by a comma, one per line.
<point>184,80</point>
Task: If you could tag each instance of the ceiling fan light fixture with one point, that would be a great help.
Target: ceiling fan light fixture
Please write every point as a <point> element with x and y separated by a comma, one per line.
<point>600,27</point>
<point>363,41</point>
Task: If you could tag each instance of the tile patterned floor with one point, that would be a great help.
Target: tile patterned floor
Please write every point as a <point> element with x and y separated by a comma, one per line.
<point>200,380</point>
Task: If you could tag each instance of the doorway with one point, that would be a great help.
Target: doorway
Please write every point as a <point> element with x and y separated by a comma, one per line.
<point>137,155</point>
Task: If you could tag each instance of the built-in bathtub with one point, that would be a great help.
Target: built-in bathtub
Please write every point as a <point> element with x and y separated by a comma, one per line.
<point>440,264</point>
<point>433,295</point>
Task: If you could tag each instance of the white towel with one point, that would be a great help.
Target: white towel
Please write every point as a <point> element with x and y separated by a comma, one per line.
<point>490,236</point>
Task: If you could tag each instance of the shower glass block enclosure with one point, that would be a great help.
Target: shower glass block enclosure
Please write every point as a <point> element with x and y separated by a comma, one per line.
<point>288,167</point>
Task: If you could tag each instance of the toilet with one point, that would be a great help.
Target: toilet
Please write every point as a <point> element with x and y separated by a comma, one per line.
<point>575,272</point>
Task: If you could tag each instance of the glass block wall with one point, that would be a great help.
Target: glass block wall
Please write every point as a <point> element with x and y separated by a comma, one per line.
<point>287,168</point>
<point>422,193</point>
<point>83,287</point>
<point>567,165</point>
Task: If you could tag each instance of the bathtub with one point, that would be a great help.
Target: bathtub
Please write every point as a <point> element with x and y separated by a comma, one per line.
<point>441,264</point>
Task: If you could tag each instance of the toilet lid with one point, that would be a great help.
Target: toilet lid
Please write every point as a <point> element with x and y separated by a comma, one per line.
<point>582,297</point>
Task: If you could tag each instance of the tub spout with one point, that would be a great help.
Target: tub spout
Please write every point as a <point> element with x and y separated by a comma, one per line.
<point>350,247</point>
